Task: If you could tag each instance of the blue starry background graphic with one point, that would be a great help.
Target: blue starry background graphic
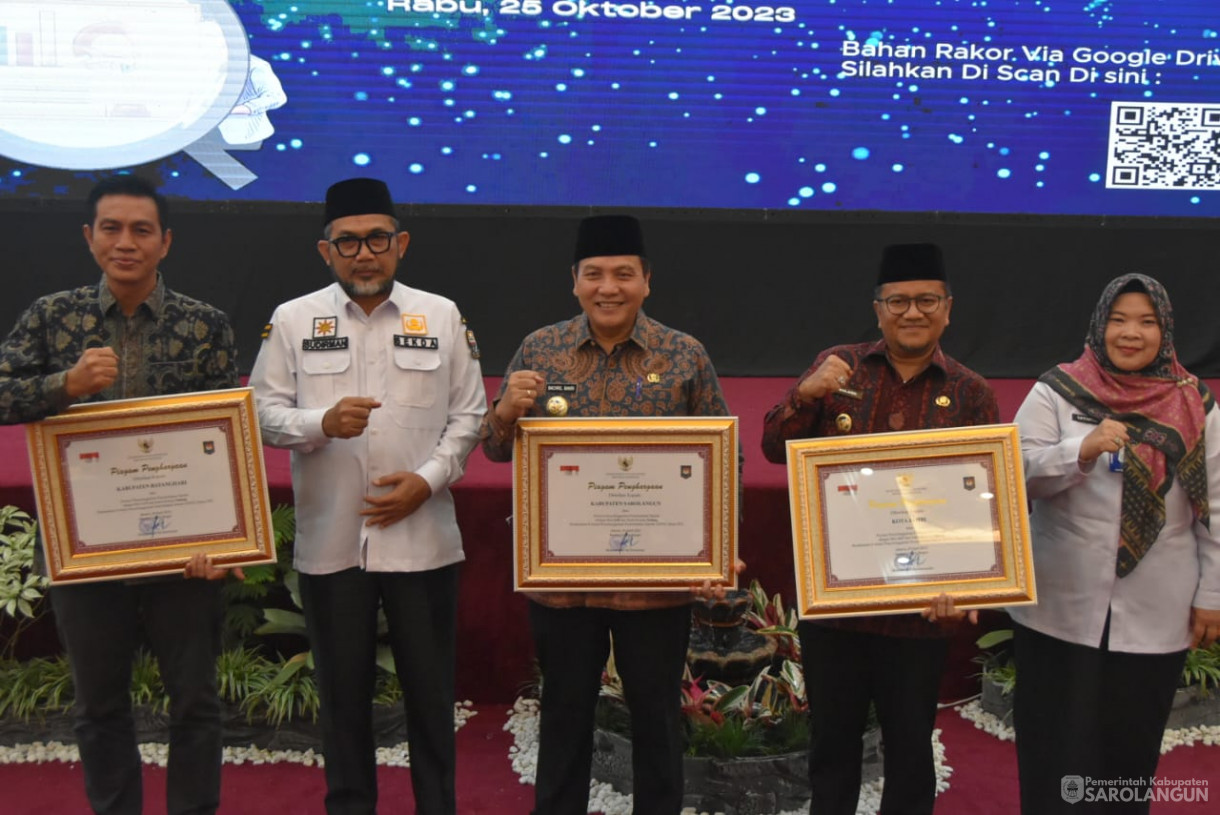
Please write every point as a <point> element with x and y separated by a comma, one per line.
<point>548,109</point>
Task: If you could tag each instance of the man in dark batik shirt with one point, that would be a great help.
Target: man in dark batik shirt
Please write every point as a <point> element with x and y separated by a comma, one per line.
<point>612,360</point>
<point>129,336</point>
<point>902,382</point>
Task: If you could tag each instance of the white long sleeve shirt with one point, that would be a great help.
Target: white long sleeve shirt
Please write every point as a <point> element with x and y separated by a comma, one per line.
<point>1075,528</point>
<point>414,355</point>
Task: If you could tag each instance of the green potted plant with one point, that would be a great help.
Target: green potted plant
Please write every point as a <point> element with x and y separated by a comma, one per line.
<point>998,674</point>
<point>1196,702</point>
<point>22,588</point>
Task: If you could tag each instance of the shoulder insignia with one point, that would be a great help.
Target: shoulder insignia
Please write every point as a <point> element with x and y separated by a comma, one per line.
<point>267,330</point>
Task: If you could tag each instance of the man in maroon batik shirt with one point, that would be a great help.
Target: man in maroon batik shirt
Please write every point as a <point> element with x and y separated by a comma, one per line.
<point>904,381</point>
<point>610,360</point>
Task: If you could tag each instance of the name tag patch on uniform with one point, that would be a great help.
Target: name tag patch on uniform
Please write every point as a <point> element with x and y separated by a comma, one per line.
<point>324,339</point>
<point>325,326</point>
<point>1084,417</point>
<point>430,343</point>
<point>325,344</point>
<point>560,387</point>
<point>414,324</point>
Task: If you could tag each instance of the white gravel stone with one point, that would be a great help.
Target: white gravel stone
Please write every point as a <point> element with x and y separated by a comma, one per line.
<point>153,753</point>
<point>1185,737</point>
<point>973,712</point>
<point>39,753</point>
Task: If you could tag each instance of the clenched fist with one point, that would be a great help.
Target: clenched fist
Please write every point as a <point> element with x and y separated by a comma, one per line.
<point>348,417</point>
<point>95,371</point>
<point>829,377</point>
<point>1109,436</point>
<point>519,394</point>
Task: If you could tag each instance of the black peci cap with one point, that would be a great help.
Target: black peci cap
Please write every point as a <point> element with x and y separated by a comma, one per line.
<point>911,261</point>
<point>602,235</point>
<point>358,196</point>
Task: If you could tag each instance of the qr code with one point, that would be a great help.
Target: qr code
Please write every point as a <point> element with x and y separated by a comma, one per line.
<point>1164,146</point>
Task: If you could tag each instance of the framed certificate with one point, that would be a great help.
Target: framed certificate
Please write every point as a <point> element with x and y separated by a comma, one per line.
<point>883,523</point>
<point>135,487</point>
<point>628,503</point>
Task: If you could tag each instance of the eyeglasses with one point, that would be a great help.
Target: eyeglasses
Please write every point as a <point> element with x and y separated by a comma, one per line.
<point>378,243</point>
<point>900,303</point>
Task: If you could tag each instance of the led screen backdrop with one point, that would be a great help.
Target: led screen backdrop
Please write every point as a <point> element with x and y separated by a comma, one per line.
<point>1057,107</point>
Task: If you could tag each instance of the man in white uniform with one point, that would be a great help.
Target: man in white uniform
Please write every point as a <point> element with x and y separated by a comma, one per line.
<point>376,389</point>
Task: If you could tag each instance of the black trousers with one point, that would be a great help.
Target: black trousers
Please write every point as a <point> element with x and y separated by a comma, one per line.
<point>572,645</point>
<point>844,671</point>
<point>341,615</point>
<point>99,625</point>
<point>1087,712</point>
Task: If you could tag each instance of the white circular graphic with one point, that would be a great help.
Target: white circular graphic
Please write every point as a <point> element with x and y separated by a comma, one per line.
<point>98,85</point>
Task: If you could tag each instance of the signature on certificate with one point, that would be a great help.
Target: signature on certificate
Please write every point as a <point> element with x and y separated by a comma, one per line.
<point>621,541</point>
<point>908,560</point>
<point>152,524</point>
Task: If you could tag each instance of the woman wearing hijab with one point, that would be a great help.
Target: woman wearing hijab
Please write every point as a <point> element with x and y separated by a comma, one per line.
<point>1122,462</point>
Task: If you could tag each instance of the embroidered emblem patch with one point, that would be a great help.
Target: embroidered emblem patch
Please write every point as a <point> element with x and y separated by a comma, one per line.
<point>325,326</point>
<point>414,324</point>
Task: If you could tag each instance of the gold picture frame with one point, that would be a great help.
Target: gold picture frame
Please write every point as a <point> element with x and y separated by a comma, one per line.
<point>136,487</point>
<point>883,523</point>
<point>606,504</point>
